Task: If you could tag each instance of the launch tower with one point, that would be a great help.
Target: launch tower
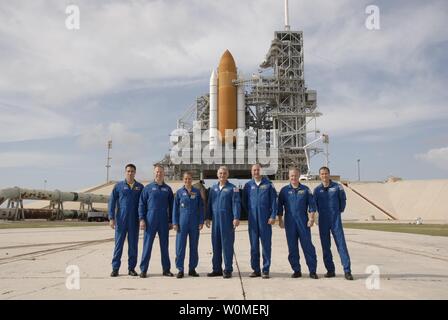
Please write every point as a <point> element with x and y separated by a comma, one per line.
<point>275,98</point>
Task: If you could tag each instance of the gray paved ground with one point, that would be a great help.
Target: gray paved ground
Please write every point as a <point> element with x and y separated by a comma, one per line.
<point>33,266</point>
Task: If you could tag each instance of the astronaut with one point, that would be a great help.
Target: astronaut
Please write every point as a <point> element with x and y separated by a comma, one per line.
<point>123,217</point>
<point>155,214</point>
<point>297,201</point>
<point>330,202</point>
<point>224,209</point>
<point>188,220</point>
<point>260,202</point>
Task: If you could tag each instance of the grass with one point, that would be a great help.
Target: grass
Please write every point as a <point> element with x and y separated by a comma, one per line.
<point>427,229</point>
<point>48,224</point>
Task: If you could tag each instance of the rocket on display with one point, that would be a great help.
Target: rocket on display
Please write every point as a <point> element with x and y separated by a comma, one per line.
<point>227,103</point>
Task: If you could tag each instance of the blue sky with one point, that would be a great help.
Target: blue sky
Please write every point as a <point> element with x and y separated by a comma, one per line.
<point>134,67</point>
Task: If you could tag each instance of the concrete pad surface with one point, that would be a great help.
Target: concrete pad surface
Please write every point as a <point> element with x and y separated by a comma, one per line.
<point>33,265</point>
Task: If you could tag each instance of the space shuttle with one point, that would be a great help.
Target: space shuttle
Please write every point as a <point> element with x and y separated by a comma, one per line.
<point>227,103</point>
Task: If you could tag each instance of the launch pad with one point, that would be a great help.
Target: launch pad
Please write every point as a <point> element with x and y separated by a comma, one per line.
<point>274,102</point>
<point>69,263</point>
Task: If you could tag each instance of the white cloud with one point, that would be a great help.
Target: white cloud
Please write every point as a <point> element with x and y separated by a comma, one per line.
<point>437,157</point>
<point>127,146</point>
<point>364,118</point>
<point>99,135</point>
<point>374,80</point>
<point>31,122</point>
<point>117,43</point>
<point>31,159</point>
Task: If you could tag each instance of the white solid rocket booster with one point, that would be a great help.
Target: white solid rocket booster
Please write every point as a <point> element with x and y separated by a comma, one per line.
<point>241,115</point>
<point>213,119</point>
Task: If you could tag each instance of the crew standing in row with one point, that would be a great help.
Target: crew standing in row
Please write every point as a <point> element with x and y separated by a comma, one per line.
<point>159,211</point>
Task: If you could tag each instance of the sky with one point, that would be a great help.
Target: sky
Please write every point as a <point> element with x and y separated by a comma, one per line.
<point>134,67</point>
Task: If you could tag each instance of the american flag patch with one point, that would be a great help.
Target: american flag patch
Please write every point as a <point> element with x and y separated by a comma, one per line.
<point>236,190</point>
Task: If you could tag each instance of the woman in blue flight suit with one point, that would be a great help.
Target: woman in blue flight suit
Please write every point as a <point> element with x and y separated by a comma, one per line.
<point>188,220</point>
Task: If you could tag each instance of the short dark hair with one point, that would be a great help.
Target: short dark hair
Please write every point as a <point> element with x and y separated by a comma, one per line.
<point>158,165</point>
<point>131,165</point>
<point>325,168</point>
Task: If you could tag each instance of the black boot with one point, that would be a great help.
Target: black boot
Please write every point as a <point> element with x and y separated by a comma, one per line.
<point>132,273</point>
<point>193,273</point>
<point>167,273</point>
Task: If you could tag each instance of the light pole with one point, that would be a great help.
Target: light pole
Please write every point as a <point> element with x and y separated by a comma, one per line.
<point>45,184</point>
<point>109,146</point>
<point>359,170</point>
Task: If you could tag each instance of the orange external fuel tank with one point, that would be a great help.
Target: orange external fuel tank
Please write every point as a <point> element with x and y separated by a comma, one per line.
<point>227,94</point>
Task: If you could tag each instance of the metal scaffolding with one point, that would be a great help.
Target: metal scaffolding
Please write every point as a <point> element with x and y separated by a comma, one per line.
<point>283,102</point>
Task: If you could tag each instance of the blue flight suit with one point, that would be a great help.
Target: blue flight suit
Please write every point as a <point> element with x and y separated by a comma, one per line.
<point>223,207</point>
<point>155,207</point>
<point>123,208</point>
<point>297,202</point>
<point>260,202</point>
<point>188,214</point>
<point>330,204</point>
